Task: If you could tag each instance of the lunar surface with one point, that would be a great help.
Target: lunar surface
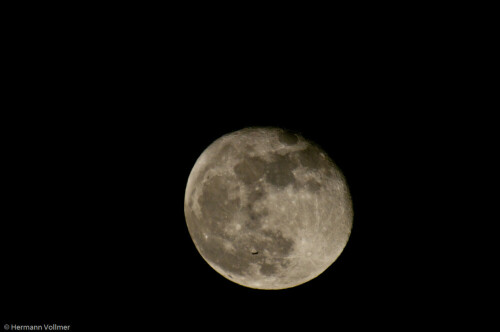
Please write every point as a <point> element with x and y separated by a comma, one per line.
<point>267,209</point>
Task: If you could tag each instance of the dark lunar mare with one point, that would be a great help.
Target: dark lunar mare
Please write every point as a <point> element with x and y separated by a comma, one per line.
<point>217,211</point>
<point>279,171</point>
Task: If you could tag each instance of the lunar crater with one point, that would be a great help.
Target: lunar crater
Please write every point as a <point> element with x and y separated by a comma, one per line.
<point>288,138</point>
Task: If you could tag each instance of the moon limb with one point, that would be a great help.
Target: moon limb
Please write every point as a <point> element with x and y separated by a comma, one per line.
<point>267,209</point>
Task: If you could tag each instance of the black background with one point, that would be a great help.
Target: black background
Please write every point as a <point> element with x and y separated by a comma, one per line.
<point>105,127</point>
<point>95,229</point>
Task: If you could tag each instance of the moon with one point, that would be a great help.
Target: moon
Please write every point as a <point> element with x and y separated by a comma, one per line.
<point>267,209</point>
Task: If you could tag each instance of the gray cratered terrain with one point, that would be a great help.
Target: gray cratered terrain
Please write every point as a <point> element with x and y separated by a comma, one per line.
<point>267,209</point>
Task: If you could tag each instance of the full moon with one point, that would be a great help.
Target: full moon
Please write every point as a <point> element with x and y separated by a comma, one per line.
<point>267,208</point>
